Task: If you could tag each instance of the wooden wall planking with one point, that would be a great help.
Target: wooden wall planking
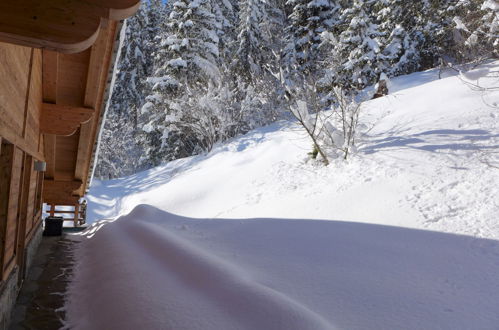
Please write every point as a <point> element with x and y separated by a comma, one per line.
<point>18,212</point>
<point>15,65</point>
<point>15,70</point>
<point>6,157</point>
<point>20,111</point>
<point>11,225</point>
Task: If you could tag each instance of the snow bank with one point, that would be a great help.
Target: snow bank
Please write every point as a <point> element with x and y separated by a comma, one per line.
<point>155,270</point>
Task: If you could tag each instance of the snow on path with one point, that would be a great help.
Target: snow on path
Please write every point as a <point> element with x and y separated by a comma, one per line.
<point>155,270</point>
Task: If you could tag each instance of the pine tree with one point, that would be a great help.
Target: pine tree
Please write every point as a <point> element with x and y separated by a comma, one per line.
<point>308,20</point>
<point>400,52</point>
<point>490,25</point>
<point>226,14</point>
<point>119,151</point>
<point>475,30</point>
<point>198,72</point>
<point>186,63</point>
<point>358,48</point>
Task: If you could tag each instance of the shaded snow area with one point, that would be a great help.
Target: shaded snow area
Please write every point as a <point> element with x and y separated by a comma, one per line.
<point>254,235</point>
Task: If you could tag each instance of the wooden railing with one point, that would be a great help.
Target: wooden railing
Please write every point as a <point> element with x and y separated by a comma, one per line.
<point>78,211</point>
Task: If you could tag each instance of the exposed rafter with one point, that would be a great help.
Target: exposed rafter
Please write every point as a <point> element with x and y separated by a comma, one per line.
<point>61,192</point>
<point>63,120</point>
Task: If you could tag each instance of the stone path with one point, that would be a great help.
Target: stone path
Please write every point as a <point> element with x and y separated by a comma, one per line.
<point>40,302</point>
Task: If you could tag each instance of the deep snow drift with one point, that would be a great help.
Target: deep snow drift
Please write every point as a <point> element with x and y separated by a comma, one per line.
<point>429,162</point>
<point>155,270</point>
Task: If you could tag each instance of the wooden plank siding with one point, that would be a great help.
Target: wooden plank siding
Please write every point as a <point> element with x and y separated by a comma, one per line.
<point>14,157</point>
<point>16,63</point>
<point>6,158</point>
<point>20,112</point>
<point>20,205</point>
<point>16,66</point>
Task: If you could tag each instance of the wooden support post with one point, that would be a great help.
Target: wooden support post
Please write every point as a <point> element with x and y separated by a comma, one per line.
<point>76,215</point>
<point>23,214</point>
<point>52,209</point>
<point>39,189</point>
<point>26,102</point>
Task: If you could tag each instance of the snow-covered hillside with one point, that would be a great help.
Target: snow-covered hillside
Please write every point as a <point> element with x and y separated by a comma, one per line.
<point>403,235</point>
<point>427,163</point>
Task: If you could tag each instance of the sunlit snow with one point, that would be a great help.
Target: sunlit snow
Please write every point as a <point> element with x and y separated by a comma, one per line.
<point>255,235</point>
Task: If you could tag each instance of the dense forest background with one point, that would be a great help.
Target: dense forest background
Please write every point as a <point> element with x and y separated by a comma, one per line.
<point>195,73</point>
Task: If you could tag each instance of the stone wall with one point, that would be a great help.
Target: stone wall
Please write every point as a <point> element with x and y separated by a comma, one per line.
<point>9,288</point>
<point>8,295</point>
<point>33,247</point>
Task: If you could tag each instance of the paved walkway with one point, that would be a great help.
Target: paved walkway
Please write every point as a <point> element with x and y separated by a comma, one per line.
<point>40,302</point>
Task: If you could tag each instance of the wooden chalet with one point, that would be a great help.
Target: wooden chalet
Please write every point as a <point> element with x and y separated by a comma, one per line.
<point>56,63</point>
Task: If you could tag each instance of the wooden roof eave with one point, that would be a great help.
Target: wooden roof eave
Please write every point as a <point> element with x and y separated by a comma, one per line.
<point>76,85</point>
<point>104,107</point>
<point>80,107</point>
<point>65,26</point>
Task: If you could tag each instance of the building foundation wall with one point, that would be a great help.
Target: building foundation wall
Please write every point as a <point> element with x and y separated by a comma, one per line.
<point>8,295</point>
<point>9,289</point>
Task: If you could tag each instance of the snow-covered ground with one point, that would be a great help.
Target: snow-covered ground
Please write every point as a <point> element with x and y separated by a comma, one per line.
<point>254,235</point>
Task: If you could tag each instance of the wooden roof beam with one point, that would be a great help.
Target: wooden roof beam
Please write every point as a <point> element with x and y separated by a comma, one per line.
<point>97,72</point>
<point>66,26</point>
<point>118,9</point>
<point>62,119</point>
<point>61,192</point>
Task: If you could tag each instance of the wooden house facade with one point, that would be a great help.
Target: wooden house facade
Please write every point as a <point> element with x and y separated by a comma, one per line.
<point>56,63</point>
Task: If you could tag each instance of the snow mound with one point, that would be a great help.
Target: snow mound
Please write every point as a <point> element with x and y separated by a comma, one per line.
<point>155,270</point>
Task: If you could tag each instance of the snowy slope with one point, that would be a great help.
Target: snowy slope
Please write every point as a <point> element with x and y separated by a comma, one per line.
<point>404,235</point>
<point>425,164</point>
